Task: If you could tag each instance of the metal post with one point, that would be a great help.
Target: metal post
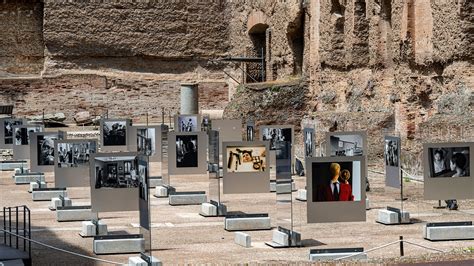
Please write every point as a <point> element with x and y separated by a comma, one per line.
<point>10,224</point>
<point>401,191</point>
<point>29,233</point>
<point>4,226</point>
<point>16,227</point>
<point>402,252</point>
<point>24,228</point>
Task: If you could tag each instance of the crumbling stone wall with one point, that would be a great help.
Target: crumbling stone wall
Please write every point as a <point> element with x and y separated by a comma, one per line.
<point>21,37</point>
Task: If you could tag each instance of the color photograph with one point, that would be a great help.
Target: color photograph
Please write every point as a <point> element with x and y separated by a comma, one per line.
<point>246,159</point>
<point>333,181</point>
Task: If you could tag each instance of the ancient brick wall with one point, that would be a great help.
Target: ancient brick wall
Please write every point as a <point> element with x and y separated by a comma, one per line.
<point>21,37</point>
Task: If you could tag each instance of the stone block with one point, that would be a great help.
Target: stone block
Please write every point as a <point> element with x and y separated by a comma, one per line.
<point>208,209</point>
<point>47,195</point>
<point>36,185</point>
<point>282,187</point>
<point>187,199</point>
<point>243,239</point>
<point>301,194</point>
<point>118,246</point>
<point>74,215</point>
<point>439,233</point>
<point>138,261</point>
<point>89,229</point>
<point>387,217</point>
<point>21,171</point>
<point>367,204</point>
<point>333,256</point>
<point>251,223</point>
<point>57,202</point>
<point>155,182</point>
<point>12,165</point>
<point>21,179</point>
<point>161,192</point>
<point>280,238</point>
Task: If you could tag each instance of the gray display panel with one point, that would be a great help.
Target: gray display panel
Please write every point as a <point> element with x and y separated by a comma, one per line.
<point>114,134</point>
<point>229,130</point>
<point>392,151</point>
<point>187,123</point>
<point>351,143</point>
<point>447,170</point>
<point>346,202</point>
<point>187,153</point>
<point>21,140</point>
<point>276,135</point>
<point>146,140</point>
<point>114,181</point>
<point>6,131</point>
<point>72,160</point>
<point>43,150</point>
<point>246,167</point>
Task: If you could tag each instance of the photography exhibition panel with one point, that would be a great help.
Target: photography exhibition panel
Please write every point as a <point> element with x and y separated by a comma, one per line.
<point>335,189</point>
<point>6,131</point>
<point>187,123</point>
<point>246,167</point>
<point>21,140</point>
<point>113,134</point>
<point>72,159</point>
<point>115,181</point>
<point>187,153</point>
<point>146,140</point>
<point>42,150</point>
<point>447,170</point>
<point>392,152</point>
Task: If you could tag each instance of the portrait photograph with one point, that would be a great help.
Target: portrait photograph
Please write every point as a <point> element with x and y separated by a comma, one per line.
<point>75,154</point>
<point>308,139</point>
<point>186,151</point>
<point>143,181</point>
<point>391,152</point>
<point>8,129</point>
<point>46,149</point>
<point>244,159</point>
<point>449,161</point>
<point>116,172</point>
<point>188,123</point>
<point>146,142</point>
<point>22,134</point>
<point>250,131</point>
<point>334,181</point>
<point>346,145</point>
<point>114,133</point>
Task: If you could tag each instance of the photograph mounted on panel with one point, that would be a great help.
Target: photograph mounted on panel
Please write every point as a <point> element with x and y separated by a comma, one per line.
<point>246,159</point>
<point>276,135</point>
<point>250,131</point>
<point>335,189</point>
<point>22,134</point>
<point>8,125</point>
<point>449,162</point>
<point>146,141</point>
<point>114,133</point>
<point>186,151</point>
<point>392,152</point>
<point>188,123</point>
<point>309,144</point>
<point>45,149</point>
<point>115,172</point>
<point>75,154</point>
<point>333,181</point>
<point>346,144</point>
<point>143,180</point>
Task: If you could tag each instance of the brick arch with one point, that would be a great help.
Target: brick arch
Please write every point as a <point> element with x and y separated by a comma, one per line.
<point>257,22</point>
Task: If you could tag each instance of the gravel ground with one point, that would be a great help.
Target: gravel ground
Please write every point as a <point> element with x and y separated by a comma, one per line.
<point>181,236</point>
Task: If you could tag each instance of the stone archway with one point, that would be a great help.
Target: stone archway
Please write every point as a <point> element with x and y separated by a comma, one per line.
<point>257,30</point>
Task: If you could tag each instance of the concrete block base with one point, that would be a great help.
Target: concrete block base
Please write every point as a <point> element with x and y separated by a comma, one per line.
<point>389,217</point>
<point>444,233</point>
<point>36,185</point>
<point>155,182</point>
<point>244,224</point>
<point>67,215</point>
<point>161,192</point>
<point>47,194</point>
<point>57,202</point>
<point>282,187</point>
<point>115,245</point>
<point>367,204</point>
<point>187,199</point>
<point>21,171</point>
<point>89,229</point>
<point>138,261</point>
<point>243,239</point>
<point>280,238</point>
<point>208,209</point>
<point>301,195</point>
<point>333,256</point>
<point>22,179</point>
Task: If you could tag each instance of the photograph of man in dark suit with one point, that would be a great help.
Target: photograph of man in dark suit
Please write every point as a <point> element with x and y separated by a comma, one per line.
<point>334,189</point>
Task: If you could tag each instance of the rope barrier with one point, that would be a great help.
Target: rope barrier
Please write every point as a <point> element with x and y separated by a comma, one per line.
<point>62,250</point>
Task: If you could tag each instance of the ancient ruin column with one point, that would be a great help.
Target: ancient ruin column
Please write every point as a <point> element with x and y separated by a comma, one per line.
<point>189,98</point>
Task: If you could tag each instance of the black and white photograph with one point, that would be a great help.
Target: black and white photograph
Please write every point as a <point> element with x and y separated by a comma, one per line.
<point>206,123</point>
<point>250,131</point>
<point>115,133</point>
<point>46,149</point>
<point>187,123</point>
<point>346,145</point>
<point>391,152</point>
<point>187,151</point>
<point>116,172</point>
<point>22,134</point>
<point>143,180</point>
<point>8,129</point>
<point>449,161</point>
<point>308,142</point>
<point>146,142</point>
<point>280,141</point>
<point>75,154</point>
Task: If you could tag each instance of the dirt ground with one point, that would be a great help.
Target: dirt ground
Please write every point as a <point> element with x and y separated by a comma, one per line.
<point>181,236</point>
